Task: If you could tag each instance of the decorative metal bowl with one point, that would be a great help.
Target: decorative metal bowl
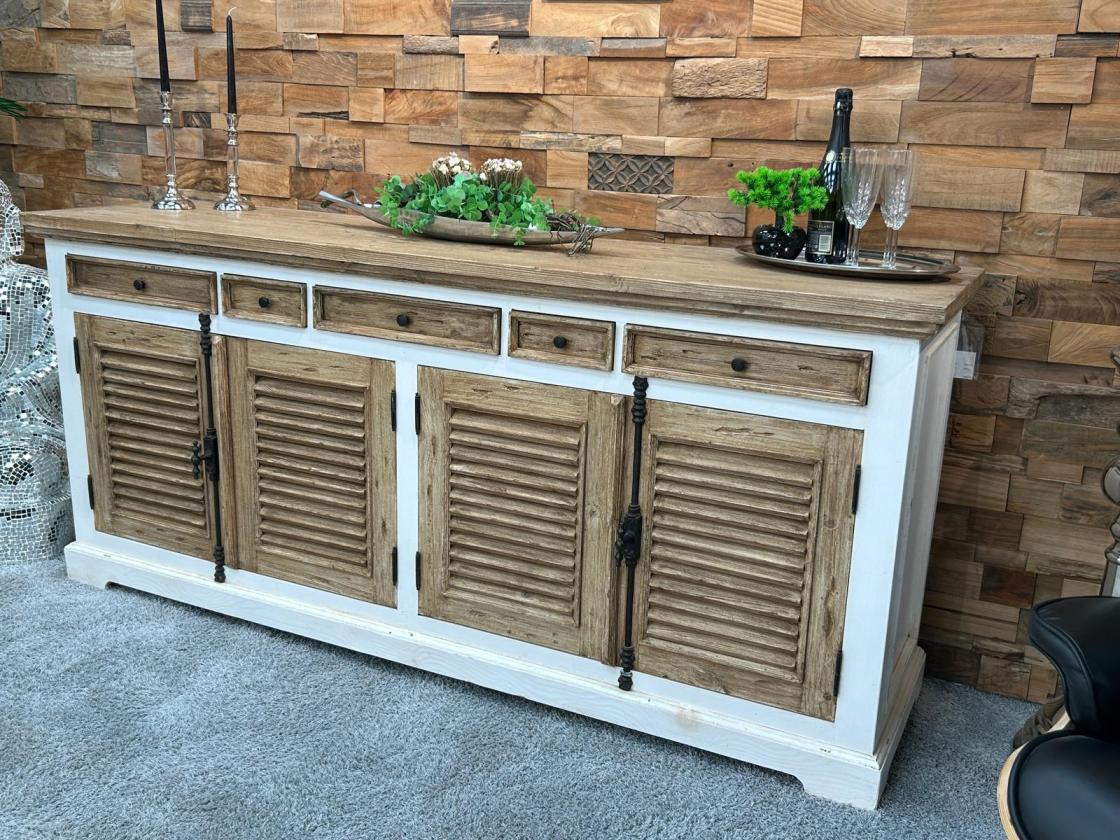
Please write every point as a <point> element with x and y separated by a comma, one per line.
<point>460,230</point>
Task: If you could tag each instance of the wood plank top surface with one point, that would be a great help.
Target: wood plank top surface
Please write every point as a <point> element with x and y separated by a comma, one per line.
<point>683,278</point>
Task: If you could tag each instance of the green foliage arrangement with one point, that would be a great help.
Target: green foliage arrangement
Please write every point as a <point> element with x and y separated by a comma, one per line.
<point>466,197</point>
<point>12,109</point>
<point>788,192</point>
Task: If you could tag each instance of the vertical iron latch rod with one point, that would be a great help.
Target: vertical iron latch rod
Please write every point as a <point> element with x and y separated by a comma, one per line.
<point>210,447</point>
<point>628,542</point>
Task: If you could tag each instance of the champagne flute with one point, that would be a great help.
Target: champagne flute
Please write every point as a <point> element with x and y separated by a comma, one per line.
<point>861,172</point>
<point>900,172</point>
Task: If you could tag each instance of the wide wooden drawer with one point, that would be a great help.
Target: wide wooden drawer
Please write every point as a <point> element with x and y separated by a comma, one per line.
<point>557,338</point>
<point>159,285</point>
<point>260,299</point>
<point>459,326</point>
<point>776,367</point>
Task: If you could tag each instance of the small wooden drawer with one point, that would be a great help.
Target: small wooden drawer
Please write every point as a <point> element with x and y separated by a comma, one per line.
<point>159,285</point>
<point>557,338</point>
<point>258,299</point>
<point>776,367</point>
<point>458,326</point>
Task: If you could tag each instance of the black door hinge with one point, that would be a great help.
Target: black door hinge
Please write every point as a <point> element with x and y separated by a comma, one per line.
<point>836,675</point>
<point>394,565</point>
<point>417,403</point>
<point>855,488</point>
<point>89,489</point>
<point>393,411</point>
<point>417,571</point>
<point>77,356</point>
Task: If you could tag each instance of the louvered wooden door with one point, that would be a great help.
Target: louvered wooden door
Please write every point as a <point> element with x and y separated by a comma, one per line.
<point>518,488</point>
<point>313,467</point>
<point>145,407</point>
<point>743,578</point>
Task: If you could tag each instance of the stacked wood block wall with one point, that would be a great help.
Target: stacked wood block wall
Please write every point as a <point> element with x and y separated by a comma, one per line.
<point>640,114</point>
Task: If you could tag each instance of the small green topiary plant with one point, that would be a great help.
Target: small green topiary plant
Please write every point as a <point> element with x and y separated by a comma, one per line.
<point>788,192</point>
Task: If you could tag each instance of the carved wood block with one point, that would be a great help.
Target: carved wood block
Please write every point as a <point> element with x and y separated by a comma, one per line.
<point>567,169</point>
<point>376,70</point>
<point>983,46</point>
<point>975,80</point>
<point>613,76</point>
<point>367,104</point>
<point>1089,238</point>
<point>301,41</point>
<point>991,17</point>
<point>776,18</point>
<point>886,46</point>
<point>325,68</point>
<point>504,73</point>
<point>1100,195</point>
<point>516,112</point>
<point>107,93</point>
<point>279,149</point>
<point>569,141</point>
<point>614,114</point>
<point>630,173</point>
<point>636,211</point>
<point>430,44</point>
<point>853,17</point>
<point>1089,303</point>
<point>632,47</point>
<point>699,215</point>
<point>705,19</point>
<point>699,47</point>
<point>818,78</point>
<point>875,121</point>
<point>252,65</point>
<point>426,107</point>
<point>490,17</point>
<point>478,44</point>
<point>971,482</point>
<point>35,87</point>
<point>1063,80</point>
<point>969,187</point>
<point>1053,192</point>
<point>1086,46</point>
<point>1019,338</point>
<point>1084,344</point>
<point>326,152</point>
<point>416,17</point>
<point>1035,234</point>
<point>768,119</point>
<point>565,74</point>
<point>392,157</point>
<point>1082,160</point>
<point>1094,127</point>
<point>265,179</point>
<point>442,135</point>
<point>993,124</point>
<point>316,101</point>
<point>309,15</point>
<point>429,72</point>
<point>738,78</point>
<point>617,20</point>
<point>107,166</point>
<point>549,45</point>
<point>1098,16</point>
<point>700,147</point>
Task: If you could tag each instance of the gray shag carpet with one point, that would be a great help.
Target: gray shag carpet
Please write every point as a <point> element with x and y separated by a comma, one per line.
<point>123,715</point>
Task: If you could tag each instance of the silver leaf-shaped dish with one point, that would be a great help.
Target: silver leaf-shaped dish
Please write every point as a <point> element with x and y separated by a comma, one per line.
<point>461,230</point>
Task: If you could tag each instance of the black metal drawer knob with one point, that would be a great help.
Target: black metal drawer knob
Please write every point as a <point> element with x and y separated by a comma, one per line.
<point>403,320</point>
<point>738,364</point>
<point>559,342</point>
<point>139,285</point>
<point>264,302</point>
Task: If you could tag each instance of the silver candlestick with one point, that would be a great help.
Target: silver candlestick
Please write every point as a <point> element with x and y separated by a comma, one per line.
<point>172,198</point>
<point>234,201</point>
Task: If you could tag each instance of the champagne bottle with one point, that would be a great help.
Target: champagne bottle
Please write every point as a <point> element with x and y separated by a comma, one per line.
<point>828,229</point>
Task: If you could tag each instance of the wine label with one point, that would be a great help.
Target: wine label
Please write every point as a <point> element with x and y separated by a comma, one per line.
<point>820,237</point>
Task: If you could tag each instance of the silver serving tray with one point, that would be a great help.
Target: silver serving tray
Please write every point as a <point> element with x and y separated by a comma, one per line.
<point>907,266</point>
<point>460,230</point>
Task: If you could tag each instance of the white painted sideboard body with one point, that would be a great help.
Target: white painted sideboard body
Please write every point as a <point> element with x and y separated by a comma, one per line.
<point>903,425</point>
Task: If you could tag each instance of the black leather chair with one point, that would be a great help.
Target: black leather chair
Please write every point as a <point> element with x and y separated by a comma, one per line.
<point>1065,784</point>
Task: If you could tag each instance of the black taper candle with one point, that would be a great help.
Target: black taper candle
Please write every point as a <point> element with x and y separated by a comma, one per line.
<point>231,80</point>
<point>161,44</point>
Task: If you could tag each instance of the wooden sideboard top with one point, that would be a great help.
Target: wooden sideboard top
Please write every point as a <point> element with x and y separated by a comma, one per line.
<point>687,278</point>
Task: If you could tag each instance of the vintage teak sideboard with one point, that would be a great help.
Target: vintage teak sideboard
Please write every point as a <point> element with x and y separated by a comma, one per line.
<point>656,485</point>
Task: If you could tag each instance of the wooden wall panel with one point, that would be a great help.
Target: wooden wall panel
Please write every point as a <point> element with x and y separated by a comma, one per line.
<point>1014,108</point>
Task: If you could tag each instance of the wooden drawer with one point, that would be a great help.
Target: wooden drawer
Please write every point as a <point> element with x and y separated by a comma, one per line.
<point>556,338</point>
<point>459,326</point>
<point>258,299</point>
<point>159,285</point>
<point>776,367</point>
